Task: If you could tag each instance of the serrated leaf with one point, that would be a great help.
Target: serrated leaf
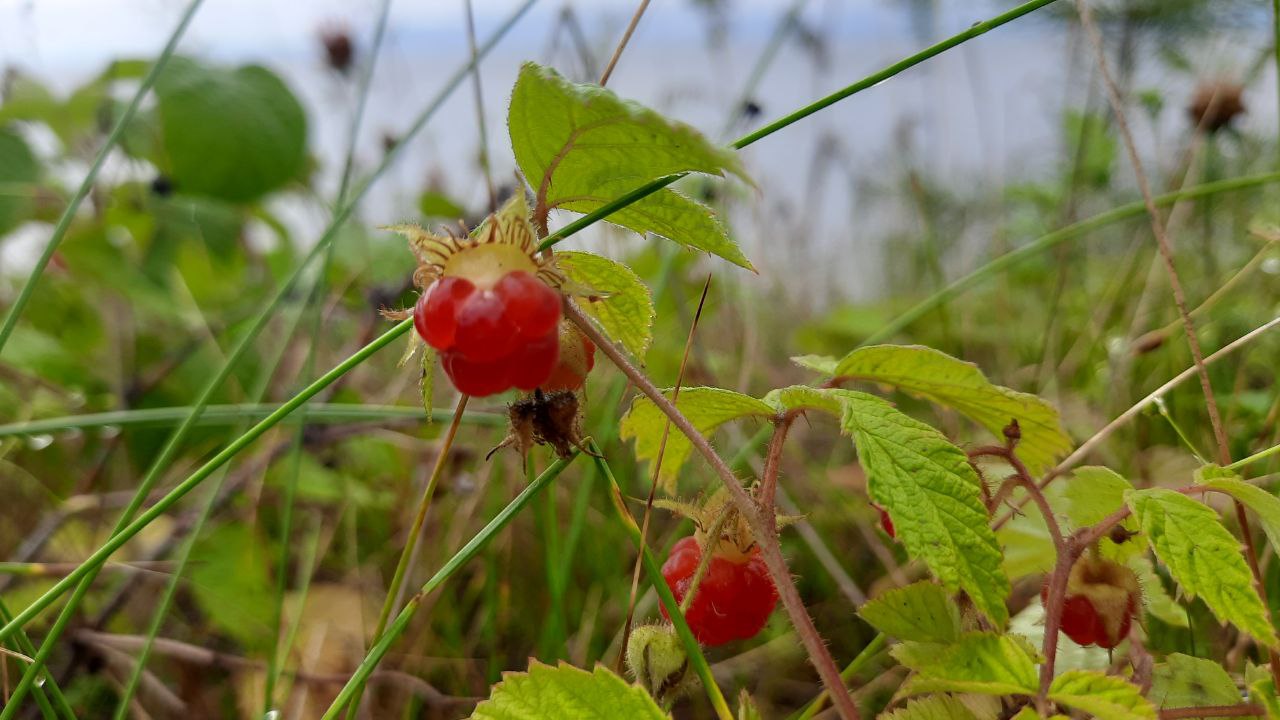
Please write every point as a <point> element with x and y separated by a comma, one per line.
<point>625,306</point>
<point>936,707</point>
<point>932,495</point>
<point>923,612</point>
<point>1265,506</point>
<point>940,378</point>
<point>1105,697</point>
<point>1203,557</point>
<point>580,146</point>
<point>1156,599</point>
<point>822,364</point>
<point>983,663</point>
<point>1183,681</point>
<point>706,407</point>
<point>804,397</point>
<point>19,172</point>
<point>232,134</point>
<point>566,693</point>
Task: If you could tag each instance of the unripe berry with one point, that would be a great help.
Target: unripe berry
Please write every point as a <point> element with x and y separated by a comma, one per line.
<point>577,357</point>
<point>734,599</point>
<point>658,661</point>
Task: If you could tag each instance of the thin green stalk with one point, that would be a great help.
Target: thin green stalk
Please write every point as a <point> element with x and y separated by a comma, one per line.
<point>1070,232</point>
<point>415,532</point>
<point>868,653</point>
<point>771,47</point>
<point>24,645</point>
<point>1263,455</point>
<point>870,81</point>
<point>69,213</point>
<point>220,415</point>
<point>118,540</point>
<point>654,572</point>
<point>553,630</point>
<point>258,325</point>
<point>460,558</point>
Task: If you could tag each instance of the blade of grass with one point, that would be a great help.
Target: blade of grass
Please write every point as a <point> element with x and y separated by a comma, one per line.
<point>218,415</point>
<point>42,692</point>
<point>870,81</point>
<point>233,357</point>
<point>654,572</point>
<point>460,558</point>
<point>117,540</point>
<point>851,671</point>
<point>410,549</point>
<point>117,132</point>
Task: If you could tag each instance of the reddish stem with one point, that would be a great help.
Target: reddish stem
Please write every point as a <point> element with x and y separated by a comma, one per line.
<point>764,529</point>
<point>1243,709</point>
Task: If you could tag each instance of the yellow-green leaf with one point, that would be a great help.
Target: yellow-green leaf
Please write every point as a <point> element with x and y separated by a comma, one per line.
<point>1203,557</point>
<point>624,307</point>
<point>940,378</point>
<point>1265,506</point>
<point>935,707</point>
<point>923,612</point>
<point>1183,681</point>
<point>983,663</point>
<point>706,407</point>
<point>1105,697</point>
<point>566,693</point>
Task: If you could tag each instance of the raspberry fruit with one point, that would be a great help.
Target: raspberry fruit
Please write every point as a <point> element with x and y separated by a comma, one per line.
<point>577,357</point>
<point>734,599</point>
<point>489,306</point>
<point>1102,599</point>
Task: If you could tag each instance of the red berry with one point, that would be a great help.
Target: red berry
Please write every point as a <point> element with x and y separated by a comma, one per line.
<point>435,314</point>
<point>1080,621</point>
<point>1102,599</point>
<point>532,362</point>
<point>577,357</point>
<point>734,599</point>
<point>485,332</point>
<point>531,304</point>
<point>476,378</point>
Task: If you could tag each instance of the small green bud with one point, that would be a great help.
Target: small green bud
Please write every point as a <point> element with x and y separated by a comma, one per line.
<point>658,661</point>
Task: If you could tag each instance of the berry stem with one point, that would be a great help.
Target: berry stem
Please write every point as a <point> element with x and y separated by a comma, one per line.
<point>764,530</point>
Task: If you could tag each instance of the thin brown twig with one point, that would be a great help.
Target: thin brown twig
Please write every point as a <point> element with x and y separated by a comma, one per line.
<point>1179,297</point>
<point>622,44</point>
<point>765,532</point>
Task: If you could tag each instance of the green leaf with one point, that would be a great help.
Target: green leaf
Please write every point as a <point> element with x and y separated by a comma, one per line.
<point>932,495</point>
<point>706,407</point>
<point>1203,557</point>
<point>935,707</point>
<point>925,483</point>
<point>1184,681</point>
<point>233,134</point>
<point>983,663</point>
<point>437,205</point>
<point>1105,697</point>
<point>566,693</point>
<point>1265,506</point>
<point>1157,600</point>
<point>625,306</point>
<point>19,172</point>
<point>1093,493</point>
<point>232,585</point>
<point>923,612</point>
<point>940,378</point>
<point>581,146</point>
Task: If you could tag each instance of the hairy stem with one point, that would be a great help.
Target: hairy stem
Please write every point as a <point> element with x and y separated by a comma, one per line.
<point>765,532</point>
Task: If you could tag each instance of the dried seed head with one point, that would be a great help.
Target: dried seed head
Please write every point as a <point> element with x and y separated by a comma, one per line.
<point>1215,104</point>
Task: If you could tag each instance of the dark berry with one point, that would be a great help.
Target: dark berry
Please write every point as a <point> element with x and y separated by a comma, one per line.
<point>734,599</point>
